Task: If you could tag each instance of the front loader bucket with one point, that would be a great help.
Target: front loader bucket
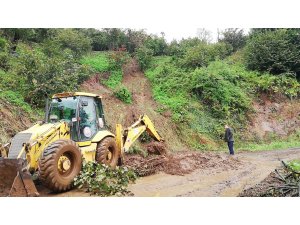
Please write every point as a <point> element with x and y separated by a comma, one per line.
<point>14,181</point>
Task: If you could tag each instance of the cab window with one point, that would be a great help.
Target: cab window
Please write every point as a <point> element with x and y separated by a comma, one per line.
<point>87,118</point>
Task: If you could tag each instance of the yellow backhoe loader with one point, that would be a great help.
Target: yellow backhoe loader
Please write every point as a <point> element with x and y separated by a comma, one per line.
<point>74,130</point>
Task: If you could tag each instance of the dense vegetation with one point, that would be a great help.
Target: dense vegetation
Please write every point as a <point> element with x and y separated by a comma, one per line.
<point>203,84</point>
<point>35,66</point>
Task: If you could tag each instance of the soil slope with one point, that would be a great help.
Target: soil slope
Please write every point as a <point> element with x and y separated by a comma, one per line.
<point>12,120</point>
<point>143,103</point>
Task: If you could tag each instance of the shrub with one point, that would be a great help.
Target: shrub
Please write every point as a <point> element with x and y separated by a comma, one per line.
<point>275,51</point>
<point>157,44</point>
<point>203,53</point>
<point>285,84</point>
<point>103,181</point>
<point>144,56</point>
<point>74,40</point>
<point>117,59</point>
<point>4,54</point>
<point>43,74</point>
<point>123,94</point>
<point>235,37</point>
<point>215,86</point>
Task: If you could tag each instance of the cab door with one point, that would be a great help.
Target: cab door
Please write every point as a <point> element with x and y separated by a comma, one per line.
<point>88,125</point>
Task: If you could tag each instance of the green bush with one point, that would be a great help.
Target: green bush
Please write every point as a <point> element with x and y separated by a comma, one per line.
<point>235,37</point>
<point>275,51</point>
<point>43,74</point>
<point>286,84</point>
<point>101,180</point>
<point>144,56</point>
<point>123,94</point>
<point>220,94</point>
<point>4,54</point>
<point>117,59</point>
<point>203,53</point>
<point>157,44</point>
<point>74,40</point>
<point>294,165</point>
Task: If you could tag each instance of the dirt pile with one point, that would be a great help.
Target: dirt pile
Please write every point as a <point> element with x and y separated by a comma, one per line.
<point>156,148</point>
<point>179,163</point>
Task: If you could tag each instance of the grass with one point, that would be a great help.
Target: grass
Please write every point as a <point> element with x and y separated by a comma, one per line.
<point>97,60</point>
<point>15,99</point>
<point>100,62</point>
<point>274,145</point>
<point>104,62</point>
<point>114,79</point>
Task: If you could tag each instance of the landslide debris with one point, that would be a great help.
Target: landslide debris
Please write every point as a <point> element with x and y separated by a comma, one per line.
<point>282,182</point>
<point>179,163</point>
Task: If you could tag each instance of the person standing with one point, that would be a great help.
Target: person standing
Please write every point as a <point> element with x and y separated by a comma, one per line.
<point>229,138</point>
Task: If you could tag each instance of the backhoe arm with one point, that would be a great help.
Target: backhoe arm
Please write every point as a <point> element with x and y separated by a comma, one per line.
<point>125,138</point>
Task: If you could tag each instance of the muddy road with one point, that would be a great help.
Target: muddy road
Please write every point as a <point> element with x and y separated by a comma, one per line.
<point>203,174</point>
<point>252,168</point>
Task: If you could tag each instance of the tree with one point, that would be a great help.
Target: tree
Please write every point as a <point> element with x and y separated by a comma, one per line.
<point>144,56</point>
<point>233,36</point>
<point>135,39</point>
<point>157,44</point>
<point>74,40</point>
<point>276,51</point>
<point>204,35</point>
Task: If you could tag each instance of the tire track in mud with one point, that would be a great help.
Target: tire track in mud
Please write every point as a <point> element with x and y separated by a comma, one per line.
<point>214,181</point>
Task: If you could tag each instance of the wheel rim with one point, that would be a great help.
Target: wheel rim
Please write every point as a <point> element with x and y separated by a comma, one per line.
<point>109,155</point>
<point>64,164</point>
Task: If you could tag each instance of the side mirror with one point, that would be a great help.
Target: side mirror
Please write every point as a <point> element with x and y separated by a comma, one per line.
<point>101,123</point>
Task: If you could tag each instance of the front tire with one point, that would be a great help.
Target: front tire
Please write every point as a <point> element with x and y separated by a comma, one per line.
<point>107,152</point>
<point>60,163</point>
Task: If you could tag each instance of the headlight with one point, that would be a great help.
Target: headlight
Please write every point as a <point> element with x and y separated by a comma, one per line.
<point>87,132</point>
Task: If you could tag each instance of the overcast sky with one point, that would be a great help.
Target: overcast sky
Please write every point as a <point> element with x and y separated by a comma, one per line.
<point>178,33</point>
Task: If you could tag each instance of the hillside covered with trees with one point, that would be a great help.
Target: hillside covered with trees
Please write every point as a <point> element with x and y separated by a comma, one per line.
<point>200,85</point>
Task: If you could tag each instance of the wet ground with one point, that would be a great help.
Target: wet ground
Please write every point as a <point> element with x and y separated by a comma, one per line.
<point>215,181</point>
<point>197,173</point>
<point>216,175</point>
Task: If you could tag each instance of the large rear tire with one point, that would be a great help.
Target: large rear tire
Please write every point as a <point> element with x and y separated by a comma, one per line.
<point>107,152</point>
<point>60,163</point>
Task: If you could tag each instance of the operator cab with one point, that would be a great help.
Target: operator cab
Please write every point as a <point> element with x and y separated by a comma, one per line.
<point>84,114</point>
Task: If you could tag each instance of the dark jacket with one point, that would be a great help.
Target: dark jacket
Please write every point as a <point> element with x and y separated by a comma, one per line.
<point>228,135</point>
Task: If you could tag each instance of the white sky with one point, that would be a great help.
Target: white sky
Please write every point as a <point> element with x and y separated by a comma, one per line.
<point>178,33</point>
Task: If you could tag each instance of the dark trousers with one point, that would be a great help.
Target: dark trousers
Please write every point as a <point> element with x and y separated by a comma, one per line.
<point>230,147</point>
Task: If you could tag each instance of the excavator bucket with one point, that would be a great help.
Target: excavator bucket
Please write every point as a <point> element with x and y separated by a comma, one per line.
<point>14,181</point>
